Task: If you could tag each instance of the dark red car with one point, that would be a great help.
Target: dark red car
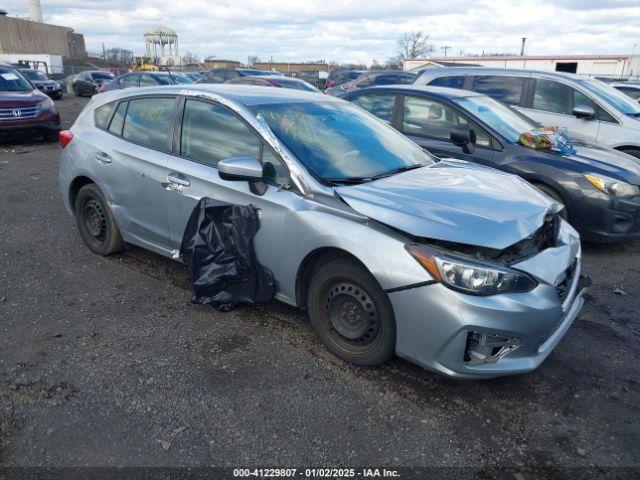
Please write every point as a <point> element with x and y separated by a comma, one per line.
<point>24,108</point>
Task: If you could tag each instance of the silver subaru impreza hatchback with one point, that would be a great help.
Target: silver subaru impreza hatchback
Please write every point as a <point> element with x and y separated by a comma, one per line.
<point>456,267</point>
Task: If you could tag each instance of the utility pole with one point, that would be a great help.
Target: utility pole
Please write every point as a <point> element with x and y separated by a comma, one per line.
<point>104,52</point>
<point>445,48</point>
<point>524,40</point>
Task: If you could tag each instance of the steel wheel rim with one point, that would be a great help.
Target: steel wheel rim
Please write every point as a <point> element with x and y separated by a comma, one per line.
<point>95,220</point>
<point>352,316</point>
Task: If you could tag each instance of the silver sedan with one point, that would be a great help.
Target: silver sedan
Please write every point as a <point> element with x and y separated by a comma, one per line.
<point>456,267</point>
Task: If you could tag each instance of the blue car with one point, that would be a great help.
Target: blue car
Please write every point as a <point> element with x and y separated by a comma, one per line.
<point>598,186</point>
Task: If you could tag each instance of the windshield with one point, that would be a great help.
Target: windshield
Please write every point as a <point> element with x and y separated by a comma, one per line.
<point>613,97</point>
<point>101,76</point>
<point>504,120</point>
<point>34,75</point>
<point>297,85</point>
<point>181,79</point>
<point>340,142</point>
<point>11,80</point>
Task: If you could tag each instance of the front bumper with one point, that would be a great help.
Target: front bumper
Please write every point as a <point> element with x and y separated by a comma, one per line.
<point>468,336</point>
<point>47,122</point>
<point>602,218</point>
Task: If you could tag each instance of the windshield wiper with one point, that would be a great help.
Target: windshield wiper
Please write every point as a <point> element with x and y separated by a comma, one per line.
<point>377,176</point>
<point>404,168</point>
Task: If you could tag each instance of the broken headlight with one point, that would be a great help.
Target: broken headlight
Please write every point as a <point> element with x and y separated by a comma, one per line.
<point>611,186</point>
<point>469,276</point>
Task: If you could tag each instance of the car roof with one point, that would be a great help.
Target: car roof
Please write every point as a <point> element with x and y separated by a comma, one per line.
<point>447,71</point>
<point>626,84</point>
<point>439,92</point>
<point>271,77</point>
<point>248,95</point>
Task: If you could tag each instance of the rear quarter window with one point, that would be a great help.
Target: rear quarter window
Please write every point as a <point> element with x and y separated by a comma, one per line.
<point>450,82</point>
<point>148,121</point>
<point>102,115</point>
<point>500,87</point>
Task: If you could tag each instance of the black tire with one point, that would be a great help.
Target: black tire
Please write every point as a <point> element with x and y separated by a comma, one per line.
<point>95,222</point>
<point>51,136</point>
<point>634,152</point>
<point>564,213</point>
<point>58,96</point>
<point>76,91</point>
<point>351,314</point>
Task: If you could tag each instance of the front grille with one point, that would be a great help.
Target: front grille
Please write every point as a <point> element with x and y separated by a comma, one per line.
<point>19,113</point>
<point>564,287</point>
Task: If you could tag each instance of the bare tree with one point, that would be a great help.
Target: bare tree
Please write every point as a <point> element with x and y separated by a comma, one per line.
<point>252,60</point>
<point>118,56</point>
<point>414,45</point>
<point>189,58</point>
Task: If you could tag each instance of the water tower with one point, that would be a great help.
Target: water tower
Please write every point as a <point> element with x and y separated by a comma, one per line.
<point>161,41</point>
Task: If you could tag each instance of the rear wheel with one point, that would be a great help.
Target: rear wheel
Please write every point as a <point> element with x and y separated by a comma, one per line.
<point>95,222</point>
<point>351,314</point>
<point>564,213</point>
<point>51,136</point>
<point>76,91</point>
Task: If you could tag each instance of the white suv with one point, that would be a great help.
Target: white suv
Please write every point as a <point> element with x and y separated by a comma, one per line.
<point>590,109</point>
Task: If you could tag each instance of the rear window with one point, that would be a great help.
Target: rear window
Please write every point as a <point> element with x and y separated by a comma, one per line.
<point>148,121</point>
<point>101,75</point>
<point>450,82</point>
<point>500,87</point>
<point>101,115</point>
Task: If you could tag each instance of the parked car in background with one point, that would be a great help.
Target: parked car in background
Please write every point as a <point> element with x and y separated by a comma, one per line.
<point>275,81</point>
<point>194,76</point>
<point>459,268</point>
<point>628,88</point>
<point>144,79</point>
<point>373,78</point>
<point>222,75</point>
<point>24,108</point>
<point>89,82</point>
<point>43,83</point>
<point>341,76</point>
<point>590,109</point>
<point>599,187</point>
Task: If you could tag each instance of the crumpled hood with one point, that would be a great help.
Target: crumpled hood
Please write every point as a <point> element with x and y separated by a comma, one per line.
<point>454,201</point>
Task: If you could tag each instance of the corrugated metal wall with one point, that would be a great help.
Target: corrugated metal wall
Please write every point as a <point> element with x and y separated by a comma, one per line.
<point>23,36</point>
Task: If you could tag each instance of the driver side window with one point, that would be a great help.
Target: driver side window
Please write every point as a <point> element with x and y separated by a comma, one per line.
<point>211,133</point>
<point>425,117</point>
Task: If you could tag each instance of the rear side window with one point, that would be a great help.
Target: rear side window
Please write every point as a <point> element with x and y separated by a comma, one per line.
<point>118,119</point>
<point>148,121</point>
<point>101,115</point>
<point>381,105</point>
<point>450,82</point>
<point>129,80</point>
<point>210,133</point>
<point>500,87</point>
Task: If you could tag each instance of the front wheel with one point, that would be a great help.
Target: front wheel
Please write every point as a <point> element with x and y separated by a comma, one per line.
<point>351,314</point>
<point>95,222</point>
<point>564,213</point>
<point>634,152</point>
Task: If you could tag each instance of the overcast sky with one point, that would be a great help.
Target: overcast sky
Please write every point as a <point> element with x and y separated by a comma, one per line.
<point>351,30</point>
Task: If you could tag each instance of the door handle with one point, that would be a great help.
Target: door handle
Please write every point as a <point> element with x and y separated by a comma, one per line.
<point>103,157</point>
<point>178,179</point>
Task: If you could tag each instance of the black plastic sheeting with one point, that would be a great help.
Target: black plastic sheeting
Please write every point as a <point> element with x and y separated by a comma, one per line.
<point>217,248</point>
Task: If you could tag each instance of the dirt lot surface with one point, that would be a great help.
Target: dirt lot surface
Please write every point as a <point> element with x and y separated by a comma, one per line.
<point>105,362</point>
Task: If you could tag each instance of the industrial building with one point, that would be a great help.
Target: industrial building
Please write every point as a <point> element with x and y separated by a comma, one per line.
<point>21,36</point>
<point>292,67</point>
<point>591,65</point>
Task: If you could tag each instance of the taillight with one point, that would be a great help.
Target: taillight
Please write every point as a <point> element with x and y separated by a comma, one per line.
<point>65,137</point>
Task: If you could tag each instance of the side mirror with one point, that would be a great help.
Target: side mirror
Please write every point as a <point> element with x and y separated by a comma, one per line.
<point>465,138</point>
<point>584,111</point>
<point>240,168</point>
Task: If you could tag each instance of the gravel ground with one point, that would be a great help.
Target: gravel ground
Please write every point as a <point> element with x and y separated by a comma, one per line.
<point>104,362</point>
